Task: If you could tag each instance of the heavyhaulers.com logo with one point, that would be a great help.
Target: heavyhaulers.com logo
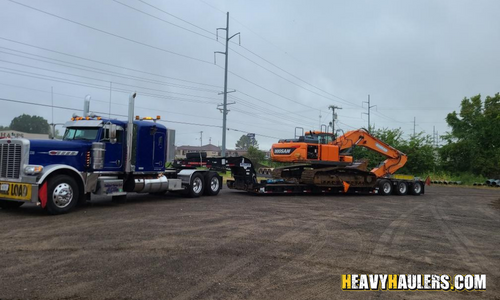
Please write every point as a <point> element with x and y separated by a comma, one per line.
<point>409,282</point>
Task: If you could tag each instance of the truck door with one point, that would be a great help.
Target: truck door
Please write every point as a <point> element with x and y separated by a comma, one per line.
<point>113,159</point>
<point>159,151</point>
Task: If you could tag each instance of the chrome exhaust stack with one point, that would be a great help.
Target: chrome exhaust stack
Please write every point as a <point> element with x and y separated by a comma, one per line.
<point>86,106</point>
<point>130,133</point>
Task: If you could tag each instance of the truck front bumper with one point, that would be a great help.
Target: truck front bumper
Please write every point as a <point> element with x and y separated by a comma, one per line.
<point>18,191</point>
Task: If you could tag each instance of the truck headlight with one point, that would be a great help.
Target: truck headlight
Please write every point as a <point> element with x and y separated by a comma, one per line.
<point>32,169</point>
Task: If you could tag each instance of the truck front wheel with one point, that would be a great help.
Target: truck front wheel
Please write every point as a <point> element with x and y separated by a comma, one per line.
<point>62,194</point>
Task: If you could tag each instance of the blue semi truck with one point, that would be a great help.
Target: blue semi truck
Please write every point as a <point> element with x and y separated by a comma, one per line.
<point>97,156</point>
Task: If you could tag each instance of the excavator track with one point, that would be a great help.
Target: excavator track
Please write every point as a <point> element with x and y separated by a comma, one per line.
<point>325,177</point>
<point>334,177</point>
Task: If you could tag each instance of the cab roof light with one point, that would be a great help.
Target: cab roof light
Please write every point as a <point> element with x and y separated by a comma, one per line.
<point>158,117</point>
<point>137,118</point>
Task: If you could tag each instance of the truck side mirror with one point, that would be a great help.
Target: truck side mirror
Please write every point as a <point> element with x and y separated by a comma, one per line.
<point>112,133</point>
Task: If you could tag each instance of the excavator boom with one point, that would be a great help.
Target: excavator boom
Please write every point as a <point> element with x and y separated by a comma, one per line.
<point>395,158</point>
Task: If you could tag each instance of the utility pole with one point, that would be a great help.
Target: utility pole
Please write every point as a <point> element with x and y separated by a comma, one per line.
<point>201,138</point>
<point>369,108</point>
<point>414,124</point>
<point>320,119</point>
<point>434,135</point>
<point>226,53</point>
<point>53,126</point>
<point>334,116</point>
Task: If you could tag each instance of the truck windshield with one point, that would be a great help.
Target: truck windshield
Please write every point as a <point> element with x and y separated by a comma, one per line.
<point>84,133</point>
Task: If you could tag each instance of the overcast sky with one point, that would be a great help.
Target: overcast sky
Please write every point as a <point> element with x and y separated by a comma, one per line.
<point>416,59</point>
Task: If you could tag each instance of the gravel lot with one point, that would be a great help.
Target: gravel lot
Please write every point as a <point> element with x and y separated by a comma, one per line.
<point>237,245</point>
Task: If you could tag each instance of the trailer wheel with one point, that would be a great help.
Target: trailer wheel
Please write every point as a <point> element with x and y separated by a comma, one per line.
<point>196,186</point>
<point>62,194</point>
<point>4,204</point>
<point>385,187</point>
<point>416,188</point>
<point>213,185</point>
<point>401,188</point>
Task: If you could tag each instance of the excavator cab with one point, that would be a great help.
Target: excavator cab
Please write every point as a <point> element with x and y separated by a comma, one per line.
<point>312,147</point>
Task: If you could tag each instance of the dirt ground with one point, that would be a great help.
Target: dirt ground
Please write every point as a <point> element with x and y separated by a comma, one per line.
<point>240,246</point>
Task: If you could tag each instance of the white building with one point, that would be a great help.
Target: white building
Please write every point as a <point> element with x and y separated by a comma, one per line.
<point>11,134</point>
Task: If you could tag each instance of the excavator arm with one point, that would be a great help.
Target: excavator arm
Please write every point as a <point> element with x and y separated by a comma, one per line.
<point>395,158</point>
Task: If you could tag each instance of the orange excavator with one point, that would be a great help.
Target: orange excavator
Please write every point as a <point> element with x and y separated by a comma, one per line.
<point>321,149</point>
<point>320,159</point>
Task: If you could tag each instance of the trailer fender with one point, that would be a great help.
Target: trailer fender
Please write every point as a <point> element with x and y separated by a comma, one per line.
<point>185,175</point>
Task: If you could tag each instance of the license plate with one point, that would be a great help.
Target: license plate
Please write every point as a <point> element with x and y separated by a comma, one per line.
<point>17,191</point>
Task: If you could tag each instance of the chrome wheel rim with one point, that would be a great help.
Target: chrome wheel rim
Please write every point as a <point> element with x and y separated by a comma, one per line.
<point>214,184</point>
<point>417,188</point>
<point>197,185</point>
<point>62,195</point>
<point>386,187</point>
<point>402,188</point>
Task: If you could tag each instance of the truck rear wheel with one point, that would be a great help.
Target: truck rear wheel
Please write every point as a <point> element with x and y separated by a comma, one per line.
<point>196,186</point>
<point>213,185</point>
<point>401,188</point>
<point>416,188</point>
<point>4,204</point>
<point>385,187</point>
<point>62,194</point>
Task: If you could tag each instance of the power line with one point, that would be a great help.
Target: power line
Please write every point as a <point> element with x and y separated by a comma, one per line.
<point>213,7</point>
<point>111,34</point>
<point>96,79</point>
<point>268,90</point>
<point>163,20</point>
<point>96,86</point>
<point>102,71</point>
<point>105,63</point>
<point>294,83</point>
<point>174,16</point>
<point>115,103</point>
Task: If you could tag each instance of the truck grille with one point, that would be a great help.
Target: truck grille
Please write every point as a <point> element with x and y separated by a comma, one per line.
<point>10,160</point>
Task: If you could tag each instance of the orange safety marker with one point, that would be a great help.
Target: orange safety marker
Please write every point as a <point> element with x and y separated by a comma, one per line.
<point>346,186</point>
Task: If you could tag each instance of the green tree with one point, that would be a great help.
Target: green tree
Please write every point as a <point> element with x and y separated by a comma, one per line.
<point>255,155</point>
<point>473,144</point>
<point>30,124</point>
<point>421,154</point>
<point>245,142</point>
<point>2,128</point>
